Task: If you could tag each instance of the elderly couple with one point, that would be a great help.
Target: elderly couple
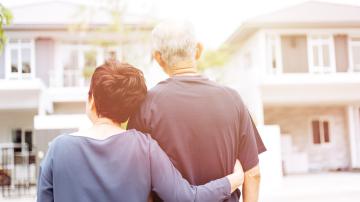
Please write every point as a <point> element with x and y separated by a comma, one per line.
<point>184,136</point>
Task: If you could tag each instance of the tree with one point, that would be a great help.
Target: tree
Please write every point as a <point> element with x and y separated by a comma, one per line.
<point>129,35</point>
<point>5,19</point>
<point>214,58</point>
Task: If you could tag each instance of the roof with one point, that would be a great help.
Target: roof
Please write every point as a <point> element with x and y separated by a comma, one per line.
<point>61,14</point>
<point>306,15</point>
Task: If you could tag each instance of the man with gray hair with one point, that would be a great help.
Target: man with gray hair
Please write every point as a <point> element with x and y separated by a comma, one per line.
<point>202,126</point>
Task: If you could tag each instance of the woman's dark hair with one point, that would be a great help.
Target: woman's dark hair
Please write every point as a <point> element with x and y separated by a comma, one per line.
<point>118,90</point>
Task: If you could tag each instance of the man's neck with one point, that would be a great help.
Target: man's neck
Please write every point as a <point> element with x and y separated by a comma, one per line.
<point>184,69</point>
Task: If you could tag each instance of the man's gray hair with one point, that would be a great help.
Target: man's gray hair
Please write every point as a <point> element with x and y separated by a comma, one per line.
<point>175,40</point>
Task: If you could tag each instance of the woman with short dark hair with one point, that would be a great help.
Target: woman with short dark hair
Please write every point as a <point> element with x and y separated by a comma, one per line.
<point>106,163</point>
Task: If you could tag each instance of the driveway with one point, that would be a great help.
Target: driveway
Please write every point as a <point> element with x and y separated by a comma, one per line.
<point>321,187</point>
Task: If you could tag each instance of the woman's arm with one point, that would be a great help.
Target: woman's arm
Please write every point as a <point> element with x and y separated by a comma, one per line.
<point>45,183</point>
<point>168,183</point>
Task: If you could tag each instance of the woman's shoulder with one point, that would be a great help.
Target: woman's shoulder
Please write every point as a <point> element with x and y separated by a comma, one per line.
<point>61,139</point>
<point>140,136</point>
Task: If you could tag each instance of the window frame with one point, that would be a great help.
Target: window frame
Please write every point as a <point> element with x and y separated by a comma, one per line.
<point>18,46</point>
<point>274,40</point>
<point>321,119</point>
<point>23,137</point>
<point>352,43</point>
<point>81,49</point>
<point>317,40</point>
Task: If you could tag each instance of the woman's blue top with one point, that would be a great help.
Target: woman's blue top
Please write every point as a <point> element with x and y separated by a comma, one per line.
<point>123,167</point>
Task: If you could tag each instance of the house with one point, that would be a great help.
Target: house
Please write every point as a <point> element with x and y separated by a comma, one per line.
<point>46,65</point>
<point>299,68</point>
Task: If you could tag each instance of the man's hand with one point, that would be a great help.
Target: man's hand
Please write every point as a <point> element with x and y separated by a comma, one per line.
<point>251,185</point>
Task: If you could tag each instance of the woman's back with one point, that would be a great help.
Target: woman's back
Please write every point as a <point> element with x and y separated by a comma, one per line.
<point>122,167</point>
<point>114,169</point>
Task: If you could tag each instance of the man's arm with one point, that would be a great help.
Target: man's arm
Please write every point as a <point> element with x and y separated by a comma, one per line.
<point>250,189</point>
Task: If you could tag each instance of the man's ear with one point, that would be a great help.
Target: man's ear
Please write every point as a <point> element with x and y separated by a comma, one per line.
<point>199,50</point>
<point>159,60</point>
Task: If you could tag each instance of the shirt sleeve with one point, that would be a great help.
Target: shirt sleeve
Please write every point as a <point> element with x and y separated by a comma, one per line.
<point>141,120</point>
<point>250,143</point>
<point>45,181</point>
<point>168,183</point>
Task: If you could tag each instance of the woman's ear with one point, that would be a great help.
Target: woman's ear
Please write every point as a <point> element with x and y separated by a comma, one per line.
<point>92,103</point>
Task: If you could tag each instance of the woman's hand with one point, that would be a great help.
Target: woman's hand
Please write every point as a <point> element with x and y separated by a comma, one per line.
<point>236,179</point>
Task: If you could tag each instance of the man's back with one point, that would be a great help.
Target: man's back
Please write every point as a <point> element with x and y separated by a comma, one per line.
<point>202,126</point>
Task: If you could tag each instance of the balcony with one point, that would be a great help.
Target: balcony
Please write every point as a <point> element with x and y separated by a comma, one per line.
<point>20,93</point>
<point>311,88</point>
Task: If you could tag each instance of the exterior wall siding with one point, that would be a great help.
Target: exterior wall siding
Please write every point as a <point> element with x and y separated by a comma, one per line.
<point>341,53</point>
<point>295,121</point>
<point>69,108</point>
<point>294,54</point>
<point>24,120</point>
<point>44,61</point>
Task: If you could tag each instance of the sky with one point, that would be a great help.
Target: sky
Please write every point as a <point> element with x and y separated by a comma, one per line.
<point>214,20</point>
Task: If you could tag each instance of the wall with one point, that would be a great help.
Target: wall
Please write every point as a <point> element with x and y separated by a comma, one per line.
<point>243,73</point>
<point>341,53</point>
<point>295,121</point>
<point>12,119</point>
<point>69,108</point>
<point>294,54</point>
<point>44,61</point>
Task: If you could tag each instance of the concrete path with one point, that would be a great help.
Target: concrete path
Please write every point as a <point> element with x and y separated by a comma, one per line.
<point>322,187</point>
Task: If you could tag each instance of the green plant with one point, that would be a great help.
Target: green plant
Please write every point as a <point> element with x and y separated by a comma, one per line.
<point>214,58</point>
<point>5,19</point>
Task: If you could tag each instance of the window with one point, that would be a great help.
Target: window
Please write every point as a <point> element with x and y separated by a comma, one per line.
<point>355,54</point>
<point>273,55</point>
<point>20,59</point>
<point>19,137</point>
<point>320,131</point>
<point>321,54</point>
<point>79,62</point>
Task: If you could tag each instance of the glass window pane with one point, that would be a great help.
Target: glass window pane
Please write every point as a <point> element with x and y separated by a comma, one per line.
<point>356,58</point>
<point>25,57</point>
<point>326,131</point>
<point>110,55</point>
<point>25,41</point>
<point>71,68</point>
<point>13,41</point>
<point>90,59</point>
<point>273,56</point>
<point>316,132</point>
<point>71,59</point>
<point>29,139</point>
<point>326,55</point>
<point>14,61</point>
<point>90,65</point>
<point>316,55</point>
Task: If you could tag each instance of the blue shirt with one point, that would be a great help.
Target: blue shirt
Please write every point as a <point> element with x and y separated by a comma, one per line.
<point>123,167</point>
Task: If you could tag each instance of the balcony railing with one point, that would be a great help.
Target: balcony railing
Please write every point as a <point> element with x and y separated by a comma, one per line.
<point>68,78</point>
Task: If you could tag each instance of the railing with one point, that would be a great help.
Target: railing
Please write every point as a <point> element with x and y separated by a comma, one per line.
<point>17,169</point>
<point>68,78</point>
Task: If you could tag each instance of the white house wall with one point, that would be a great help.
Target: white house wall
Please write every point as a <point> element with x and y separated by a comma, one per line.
<point>295,121</point>
<point>243,73</point>
<point>14,119</point>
